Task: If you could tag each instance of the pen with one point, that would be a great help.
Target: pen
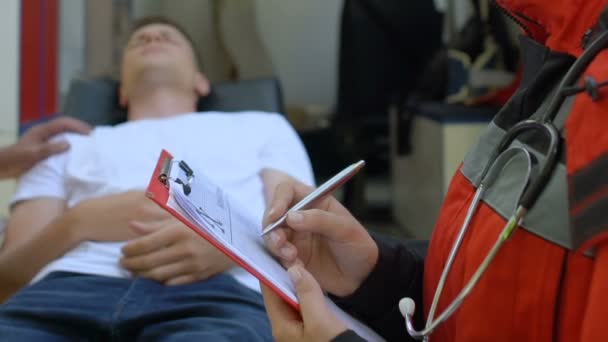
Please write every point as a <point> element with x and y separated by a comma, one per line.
<point>324,189</point>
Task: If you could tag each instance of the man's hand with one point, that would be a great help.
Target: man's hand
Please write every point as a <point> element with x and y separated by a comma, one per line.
<point>315,322</point>
<point>326,239</point>
<point>34,145</point>
<point>169,252</point>
<point>108,218</point>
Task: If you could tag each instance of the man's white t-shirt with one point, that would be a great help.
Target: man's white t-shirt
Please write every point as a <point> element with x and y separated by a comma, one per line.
<point>229,148</point>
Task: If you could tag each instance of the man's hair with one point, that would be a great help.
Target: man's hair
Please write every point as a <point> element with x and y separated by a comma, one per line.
<point>157,19</point>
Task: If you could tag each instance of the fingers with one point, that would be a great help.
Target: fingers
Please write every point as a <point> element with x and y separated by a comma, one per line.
<point>285,321</point>
<point>176,264</point>
<point>170,255</point>
<point>60,125</point>
<point>325,223</point>
<point>169,271</point>
<point>310,297</point>
<point>278,309</point>
<point>50,148</point>
<point>319,321</point>
<point>321,221</point>
<point>34,145</point>
<point>158,238</point>
<point>145,262</point>
<point>328,225</point>
<point>182,280</point>
<point>282,198</point>
<point>285,195</point>
<point>177,268</point>
<point>278,244</point>
<point>277,241</point>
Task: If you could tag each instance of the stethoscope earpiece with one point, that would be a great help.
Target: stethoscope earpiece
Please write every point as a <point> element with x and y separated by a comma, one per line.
<point>407,306</point>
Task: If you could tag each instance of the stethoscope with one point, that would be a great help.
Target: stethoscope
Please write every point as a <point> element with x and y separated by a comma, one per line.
<point>533,187</point>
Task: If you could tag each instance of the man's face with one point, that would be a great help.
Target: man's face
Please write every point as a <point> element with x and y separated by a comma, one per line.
<point>161,51</point>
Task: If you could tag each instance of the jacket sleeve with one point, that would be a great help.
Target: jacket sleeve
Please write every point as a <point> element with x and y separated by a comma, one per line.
<point>348,336</point>
<point>397,274</point>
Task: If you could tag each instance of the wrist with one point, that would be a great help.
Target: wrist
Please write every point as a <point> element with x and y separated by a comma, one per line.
<point>373,258</point>
<point>83,221</point>
<point>70,225</point>
<point>362,270</point>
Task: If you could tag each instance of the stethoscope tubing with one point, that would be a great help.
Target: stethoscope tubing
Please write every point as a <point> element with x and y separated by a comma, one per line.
<point>488,176</point>
<point>525,202</point>
<point>506,232</point>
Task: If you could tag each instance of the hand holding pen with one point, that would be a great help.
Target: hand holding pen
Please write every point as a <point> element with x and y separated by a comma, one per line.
<point>322,236</point>
<point>323,190</point>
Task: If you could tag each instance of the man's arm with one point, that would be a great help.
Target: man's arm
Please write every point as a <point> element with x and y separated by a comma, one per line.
<point>34,240</point>
<point>108,218</point>
<point>36,234</point>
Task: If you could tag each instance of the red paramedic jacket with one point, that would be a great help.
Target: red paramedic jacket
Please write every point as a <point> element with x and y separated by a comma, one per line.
<point>549,282</point>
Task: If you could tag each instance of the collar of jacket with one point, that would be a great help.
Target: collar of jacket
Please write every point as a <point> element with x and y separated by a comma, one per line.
<point>560,25</point>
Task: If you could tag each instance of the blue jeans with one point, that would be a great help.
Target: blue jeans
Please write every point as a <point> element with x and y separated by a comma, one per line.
<point>77,307</point>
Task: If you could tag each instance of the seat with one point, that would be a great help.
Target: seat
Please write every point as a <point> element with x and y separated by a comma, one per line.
<point>95,100</point>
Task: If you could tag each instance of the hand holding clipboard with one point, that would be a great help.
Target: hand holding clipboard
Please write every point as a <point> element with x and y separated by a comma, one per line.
<point>186,193</point>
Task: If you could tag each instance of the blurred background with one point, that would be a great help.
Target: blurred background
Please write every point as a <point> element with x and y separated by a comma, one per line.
<point>405,85</point>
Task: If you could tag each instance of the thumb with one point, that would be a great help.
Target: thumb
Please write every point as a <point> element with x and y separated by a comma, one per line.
<point>317,318</point>
<point>328,224</point>
<point>310,297</point>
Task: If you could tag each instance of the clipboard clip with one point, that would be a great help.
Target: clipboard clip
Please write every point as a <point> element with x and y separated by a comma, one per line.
<point>164,174</point>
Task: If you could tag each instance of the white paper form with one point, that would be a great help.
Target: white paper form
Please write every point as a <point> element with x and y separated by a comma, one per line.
<point>225,219</point>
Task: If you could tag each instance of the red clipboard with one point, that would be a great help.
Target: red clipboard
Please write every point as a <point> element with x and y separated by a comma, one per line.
<point>158,191</point>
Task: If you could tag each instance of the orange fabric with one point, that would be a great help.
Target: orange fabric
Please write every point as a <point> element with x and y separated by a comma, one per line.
<point>587,140</point>
<point>564,21</point>
<point>574,296</point>
<point>498,309</point>
<point>594,323</point>
<point>534,290</point>
<point>587,125</point>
